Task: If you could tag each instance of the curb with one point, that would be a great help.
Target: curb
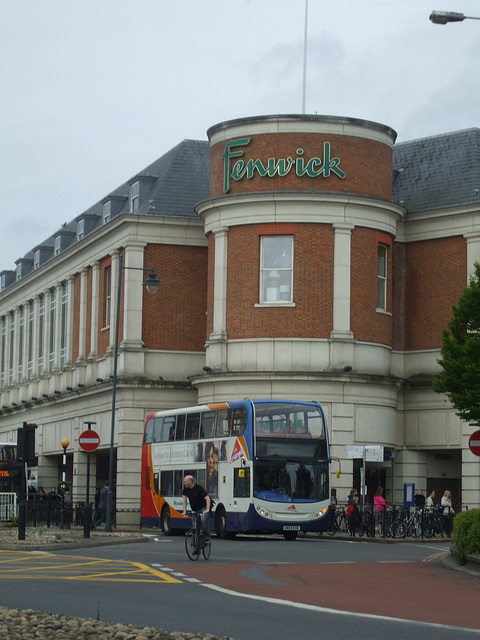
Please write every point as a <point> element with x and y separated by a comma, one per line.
<point>81,543</point>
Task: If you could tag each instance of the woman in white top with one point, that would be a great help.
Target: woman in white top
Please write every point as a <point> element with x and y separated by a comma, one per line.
<point>448,512</point>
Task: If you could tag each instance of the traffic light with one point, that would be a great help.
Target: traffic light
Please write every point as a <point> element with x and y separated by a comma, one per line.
<point>26,443</point>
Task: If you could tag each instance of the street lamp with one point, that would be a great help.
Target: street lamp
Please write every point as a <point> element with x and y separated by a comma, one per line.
<point>151,284</point>
<point>442,17</point>
<point>65,442</point>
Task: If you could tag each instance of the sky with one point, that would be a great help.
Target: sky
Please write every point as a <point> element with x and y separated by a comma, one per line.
<point>92,91</point>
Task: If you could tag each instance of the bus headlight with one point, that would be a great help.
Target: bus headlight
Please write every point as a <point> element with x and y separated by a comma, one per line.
<point>263,512</point>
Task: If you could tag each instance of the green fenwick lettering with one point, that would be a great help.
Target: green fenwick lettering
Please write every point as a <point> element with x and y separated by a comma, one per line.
<point>313,168</point>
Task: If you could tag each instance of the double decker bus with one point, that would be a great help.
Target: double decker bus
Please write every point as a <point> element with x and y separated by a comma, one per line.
<point>9,468</point>
<point>265,463</point>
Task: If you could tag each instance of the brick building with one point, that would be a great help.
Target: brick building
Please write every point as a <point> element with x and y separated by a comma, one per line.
<point>306,257</point>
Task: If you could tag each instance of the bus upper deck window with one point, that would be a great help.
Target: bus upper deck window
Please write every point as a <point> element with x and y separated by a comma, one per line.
<point>180,427</point>
<point>239,422</point>
<point>207,428</point>
<point>149,427</point>
<point>191,428</point>
<point>224,418</point>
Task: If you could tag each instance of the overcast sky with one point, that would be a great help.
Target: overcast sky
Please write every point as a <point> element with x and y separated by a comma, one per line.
<point>92,91</point>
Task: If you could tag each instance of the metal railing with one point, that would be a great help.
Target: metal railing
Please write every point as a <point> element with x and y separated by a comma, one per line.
<point>394,522</point>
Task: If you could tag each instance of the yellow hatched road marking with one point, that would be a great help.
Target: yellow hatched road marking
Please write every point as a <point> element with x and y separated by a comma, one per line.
<point>56,567</point>
<point>434,556</point>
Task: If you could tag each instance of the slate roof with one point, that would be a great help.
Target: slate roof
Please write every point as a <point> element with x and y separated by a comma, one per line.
<point>437,172</point>
<point>430,173</point>
<point>174,184</point>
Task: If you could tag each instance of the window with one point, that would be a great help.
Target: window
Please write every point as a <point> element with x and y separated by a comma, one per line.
<point>108,296</point>
<point>41,333</point>
<point>107,211</point>
<point>58,245</point>
<point>21,337</point>
<point>382,278</point>
<point>276,271</point>
<point>51,337</point>
<point>3,342</point>
<point>63,324</point>
<point>134,196</point>
<point>31,325</point>
<point>36,259</point>
<point>80,229</point>
<point>11,348</point>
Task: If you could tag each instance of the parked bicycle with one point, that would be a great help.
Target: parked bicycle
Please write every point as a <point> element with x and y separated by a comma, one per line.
<point>195,543</point>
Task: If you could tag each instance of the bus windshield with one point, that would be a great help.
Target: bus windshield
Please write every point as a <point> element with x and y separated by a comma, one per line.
<point>290,481</point>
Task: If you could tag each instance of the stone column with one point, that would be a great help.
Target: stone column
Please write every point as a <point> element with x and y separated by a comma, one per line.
<point>341,282</point>
<point>82,329</point>
<point>217,343</point>
<point>473,252</point>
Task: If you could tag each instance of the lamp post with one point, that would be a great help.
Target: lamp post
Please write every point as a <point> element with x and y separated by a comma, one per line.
<point>151,284</point>
<point>65,442</point>
<point>442,17</point>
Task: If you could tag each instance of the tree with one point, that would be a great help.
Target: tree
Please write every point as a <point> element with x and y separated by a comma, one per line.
<point>460,361</point>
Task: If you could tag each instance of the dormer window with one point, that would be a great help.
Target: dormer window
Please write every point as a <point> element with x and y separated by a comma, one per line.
<point>107,211</point>
<point>6,279</point>
<point>134,196</point>
<point>36,259</point>
<point>139,188</point>
<point>80,229</point>
<point>24,266</point>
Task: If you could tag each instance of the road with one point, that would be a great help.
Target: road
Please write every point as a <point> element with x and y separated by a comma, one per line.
<point>255,587</point>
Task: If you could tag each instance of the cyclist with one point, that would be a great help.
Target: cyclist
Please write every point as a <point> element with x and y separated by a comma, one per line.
<point>199,503</point>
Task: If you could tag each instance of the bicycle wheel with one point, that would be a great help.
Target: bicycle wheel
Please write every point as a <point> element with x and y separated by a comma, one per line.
<point>332,526</point>
<point>190,544</point>
<point>206,548</point>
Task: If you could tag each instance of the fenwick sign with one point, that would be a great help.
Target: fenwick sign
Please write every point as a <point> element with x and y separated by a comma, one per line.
<point>313,168</point>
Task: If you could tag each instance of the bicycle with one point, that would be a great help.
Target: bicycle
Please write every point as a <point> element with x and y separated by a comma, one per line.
<point>194,540</point>
<point>338,522</point>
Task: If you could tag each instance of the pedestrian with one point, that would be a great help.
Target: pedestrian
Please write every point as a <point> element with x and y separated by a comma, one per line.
<point>448,512</point>
<point>102,505</point>
<point>379,505</point>
<point>419,499</point>
<point>353,515</point>
<point>353,493</point>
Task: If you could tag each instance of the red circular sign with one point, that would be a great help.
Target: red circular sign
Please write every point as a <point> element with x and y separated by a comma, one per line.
<point>474,443</point>
<point>89,440</point>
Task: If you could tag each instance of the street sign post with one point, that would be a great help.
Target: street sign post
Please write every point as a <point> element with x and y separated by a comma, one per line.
<point>474,443</point>
<point>89,440</point>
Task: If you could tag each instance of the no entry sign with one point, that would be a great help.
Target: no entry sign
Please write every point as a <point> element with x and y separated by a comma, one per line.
<point>474,443</point>
<point>89,440</point>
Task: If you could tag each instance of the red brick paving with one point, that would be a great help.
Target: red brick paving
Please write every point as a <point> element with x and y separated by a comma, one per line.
<point>422,591</point>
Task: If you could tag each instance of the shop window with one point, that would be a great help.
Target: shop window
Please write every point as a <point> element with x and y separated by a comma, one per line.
<point>276,269</point>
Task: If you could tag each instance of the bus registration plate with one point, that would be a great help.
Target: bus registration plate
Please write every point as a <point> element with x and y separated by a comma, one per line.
<point>289,527</point>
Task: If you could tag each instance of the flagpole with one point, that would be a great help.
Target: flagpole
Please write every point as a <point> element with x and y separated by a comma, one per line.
<point>305,58</point>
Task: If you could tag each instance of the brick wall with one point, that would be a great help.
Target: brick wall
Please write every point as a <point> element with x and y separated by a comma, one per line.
<point>175,317</point>
<point>312,285</point>
<point>103,322</point>
<point>435,277</point>
<point>368,165</point>
<point>367,323</point>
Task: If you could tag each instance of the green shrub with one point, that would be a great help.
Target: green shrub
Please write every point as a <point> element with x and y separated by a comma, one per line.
<point>463,542</point>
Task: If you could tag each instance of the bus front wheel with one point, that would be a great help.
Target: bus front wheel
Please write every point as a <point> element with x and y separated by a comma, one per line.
<point>165,520</point>
<point>221,524</point>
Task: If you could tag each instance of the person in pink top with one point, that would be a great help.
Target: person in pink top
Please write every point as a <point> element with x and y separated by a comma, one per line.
<point>379,503</point>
